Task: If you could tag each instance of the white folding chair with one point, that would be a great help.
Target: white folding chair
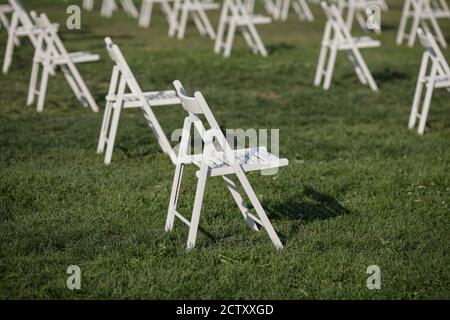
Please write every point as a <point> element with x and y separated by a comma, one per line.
<point>118,98</point>
<point>50,54</point>
<point>109,6</point>
<point>357,9</point>
<point>182,9</point>
<point>282,7</point>
<point>21,25</point>
<point>88,5</point>
<point>217,159</point>
<point>436,76</point>
<point>147,8</point>
<point>336,38</point>
<point>234,15</point>
<point>420,11</point>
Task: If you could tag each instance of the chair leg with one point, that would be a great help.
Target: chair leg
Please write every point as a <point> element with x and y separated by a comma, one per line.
<point>43,88</point>
<point>259,210</point>
<point>412,34</point>
<point>33,83</point>
<point>229,41</point>
<point>146,13</point>
<point>330,68</point>
<point>197,207</point>
<point>403,21</point>
<point>9,52</point>
<point>116,109</point>
<point>183,23</point>
<point>418,93</point>
<point>426,107</point>
<point>105,128</point>
<point>365,70</point>
<point>240,203</point>
<point>174,197</point>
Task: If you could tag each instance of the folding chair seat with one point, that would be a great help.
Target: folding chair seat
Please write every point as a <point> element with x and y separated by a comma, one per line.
<point>51,54</point>
<point>337,37</point>
<point>421,12</point>
<point>147,8</point>
<point>20,25</point>
<point>234,15</point>
<point>118,98</point>
<point>359,42</point>
<point>217,159</point>
<point>182,9</point>
<point>434,73</point>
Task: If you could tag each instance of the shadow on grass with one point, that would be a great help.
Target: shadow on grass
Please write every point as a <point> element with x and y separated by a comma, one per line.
<point>279,47</point>
<point>308,206</point>
<point>387,74</point>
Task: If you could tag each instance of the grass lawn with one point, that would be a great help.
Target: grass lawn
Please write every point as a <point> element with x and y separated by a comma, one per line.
<point>361,189</point>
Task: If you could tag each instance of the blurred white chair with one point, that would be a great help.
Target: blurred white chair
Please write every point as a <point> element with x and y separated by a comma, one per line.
<point>20,25</point>
<point>217,159</point>
<point>336,38</point>
<point>88,5</point>
<point>420,11</point>
<point>234,15</point>
<point>436,76</point>
<point>147,8</point>
<point>51,54</point>
<point>182,9</point>
<point>118,98</point>
<point>356,9</point>
<point>301,8</point>
<point>109,6</point>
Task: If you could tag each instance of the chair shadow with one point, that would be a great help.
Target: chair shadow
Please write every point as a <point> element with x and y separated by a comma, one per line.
<point>308,206</point>
<point>388,74</point>
<point>279,47</point>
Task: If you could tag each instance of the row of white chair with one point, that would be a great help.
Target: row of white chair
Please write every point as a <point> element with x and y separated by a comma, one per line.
<point>50,55</point>
<point>235,15</point>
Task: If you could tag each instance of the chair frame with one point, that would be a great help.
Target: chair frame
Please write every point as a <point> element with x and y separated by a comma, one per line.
<point>336,38</point>
<point>196,107</point>
<point>123,80</point>
<point>182,9</point>
<point>435,76</point>
<point>50,53</point>
<point>109,6</point>
<point>21,25</point>
<point>147,9</point>
<point>420,11</point>
<point>234,15</point>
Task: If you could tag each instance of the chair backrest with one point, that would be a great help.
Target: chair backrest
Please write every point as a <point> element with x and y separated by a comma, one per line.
<point>49,35</point>
<point>429,43</point>
<point>21,13</point>
<point>197,106</point>
<point>122,66</point>
<point>238,8</point>
<point>335,20</point>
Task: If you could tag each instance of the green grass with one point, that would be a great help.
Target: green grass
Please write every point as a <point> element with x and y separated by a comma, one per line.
<point>361,188</point>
